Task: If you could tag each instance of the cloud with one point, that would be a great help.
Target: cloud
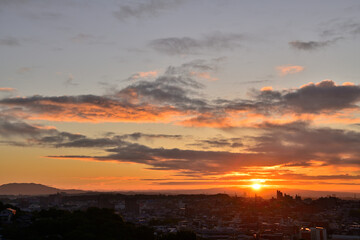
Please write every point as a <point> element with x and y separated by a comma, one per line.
<point>207,162</point>
<point>332,32</point>
<point>12,127</point>
<point>146,9</point>
<point>310,45</point>
<point>199,68</point>
<point>40,135</point>
<point>140,75</point>
<point>341,29</point>
<point>301,143</point>
<point>289,69</point>
<point>70,81</point>
<point>290,145</point>
<point>187,45</point>
<point>323,96</point>
<point>9,41</point>
<point>255,81</point>
<point>33,134</point>
<point>137,135</point>
<point>7,89</point>
<point>88,108</point>
<point>204,75</point>
<point>218,143</point>
<point>175,97</point>
<point>268,88</point>
<point>170,91</point>
<point>295,143</point>
<point>285,144</point>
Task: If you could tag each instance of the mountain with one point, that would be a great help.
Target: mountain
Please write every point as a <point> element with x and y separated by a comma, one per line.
<point>32,189</point>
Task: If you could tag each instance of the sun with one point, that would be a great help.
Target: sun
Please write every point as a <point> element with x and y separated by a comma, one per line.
<point>256,186</point>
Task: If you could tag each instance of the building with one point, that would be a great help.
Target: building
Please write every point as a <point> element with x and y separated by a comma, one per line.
<point>314,233</point>
<point>132,207</point>
<point>7,215</point>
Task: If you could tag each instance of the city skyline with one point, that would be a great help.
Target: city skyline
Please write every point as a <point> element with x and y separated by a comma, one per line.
<point>152,95</point>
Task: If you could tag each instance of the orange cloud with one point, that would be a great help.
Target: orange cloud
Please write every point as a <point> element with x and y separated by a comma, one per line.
<point>348,84</point>
<point>204,75</point>
<point>86,112</point>
<point>150,74</point>
<point>267,88</point>
<point>289,69</point>
<point>157,102</point>
<point>6,89</point>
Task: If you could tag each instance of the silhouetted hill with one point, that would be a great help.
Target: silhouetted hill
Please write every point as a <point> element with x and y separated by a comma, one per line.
<point>31,189</point>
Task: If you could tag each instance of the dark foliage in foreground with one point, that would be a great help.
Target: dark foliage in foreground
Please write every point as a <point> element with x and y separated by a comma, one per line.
<point>92,224</point>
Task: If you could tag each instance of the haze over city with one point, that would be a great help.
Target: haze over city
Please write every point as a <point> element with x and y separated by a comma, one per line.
<point>178,94</point>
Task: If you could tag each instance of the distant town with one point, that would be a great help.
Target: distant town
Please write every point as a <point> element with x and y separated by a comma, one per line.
<point>196,216</point>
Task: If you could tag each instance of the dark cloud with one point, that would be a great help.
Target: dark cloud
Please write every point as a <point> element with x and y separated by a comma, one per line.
<point>93,143</point>
<point>334,31</point>
<point>312,98</point>
<point>187,45</point>
<point>114,140</point>
<point>32,134</point>
<point>291,145</point>
<point>206,162</point>
<point>146,9</point>
<point>166,90</point>
<point>255,81</point>
<point>9,41</point>
<point>324,96</point>
<point>138,135</point>
<point>218,142</point>
<point>198,65</point>
<point>11,127</point>
<point>341,28</point>
<point>302,144</point>
<point>310,45</point>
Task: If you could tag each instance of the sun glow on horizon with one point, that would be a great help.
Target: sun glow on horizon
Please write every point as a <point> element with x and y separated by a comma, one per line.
<point>256,186</point>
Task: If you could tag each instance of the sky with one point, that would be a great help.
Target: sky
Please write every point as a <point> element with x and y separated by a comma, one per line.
<point>179,94</point>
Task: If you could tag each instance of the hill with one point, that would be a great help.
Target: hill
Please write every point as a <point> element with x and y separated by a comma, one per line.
<point>31,189</point>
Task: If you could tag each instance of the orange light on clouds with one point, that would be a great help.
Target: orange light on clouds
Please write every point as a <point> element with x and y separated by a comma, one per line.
<point>204,75</point>
<point>289,69</point>
<point>149,74</point>
<point>267,88</point>
<point>6,89</point>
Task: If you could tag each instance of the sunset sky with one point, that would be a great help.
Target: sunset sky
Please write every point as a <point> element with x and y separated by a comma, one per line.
<point>180,94</point>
